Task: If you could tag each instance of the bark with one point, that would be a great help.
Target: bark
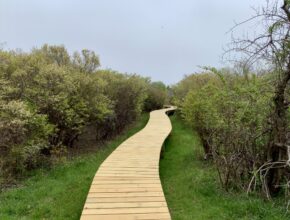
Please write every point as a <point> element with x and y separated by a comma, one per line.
<point>278,138</point>
<point>206,146</point>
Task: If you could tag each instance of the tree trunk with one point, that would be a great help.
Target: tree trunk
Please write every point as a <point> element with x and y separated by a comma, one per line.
<point>278,136</point>
<point>206,146</point>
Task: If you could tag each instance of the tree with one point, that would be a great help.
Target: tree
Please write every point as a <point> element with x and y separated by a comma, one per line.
<point>54,54</point>
<point>87,61</point>
<point>272,45</point>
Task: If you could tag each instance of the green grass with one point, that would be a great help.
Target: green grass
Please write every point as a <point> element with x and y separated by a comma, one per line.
<point>59,193</point>
<point>192,189</point>
<point>190,184</point>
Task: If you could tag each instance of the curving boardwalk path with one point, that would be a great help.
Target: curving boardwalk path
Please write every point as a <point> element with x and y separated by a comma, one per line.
<point>127,184</point>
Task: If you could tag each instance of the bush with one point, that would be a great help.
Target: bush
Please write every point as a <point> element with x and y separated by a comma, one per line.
<point>49,98</point>
<point>23,135</point>
<point>157,95</point>
<point>230,115</point>
<point>127,93</point>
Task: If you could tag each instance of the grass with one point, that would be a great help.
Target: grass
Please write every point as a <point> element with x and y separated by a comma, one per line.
<point>192,189</point>
<point>59,193</point>
<point>190,185</point>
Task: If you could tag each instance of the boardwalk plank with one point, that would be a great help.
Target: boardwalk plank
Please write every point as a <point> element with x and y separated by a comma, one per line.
<point>127,185</point>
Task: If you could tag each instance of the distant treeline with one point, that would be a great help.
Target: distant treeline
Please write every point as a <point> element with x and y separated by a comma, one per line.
<point>48,97</point>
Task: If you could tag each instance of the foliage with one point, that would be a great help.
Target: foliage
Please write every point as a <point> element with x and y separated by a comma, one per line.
<point>191,186</point>
<point>271,46</point>
<point>65,185</point>
<point>67,93</point>
<point>157,95</point>
<point>23,134</point>
<point>244,124</point>
<point>230,113</point>
<point>87,61</point>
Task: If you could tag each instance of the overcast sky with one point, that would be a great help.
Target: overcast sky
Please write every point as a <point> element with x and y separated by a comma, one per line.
<point>163,39</point>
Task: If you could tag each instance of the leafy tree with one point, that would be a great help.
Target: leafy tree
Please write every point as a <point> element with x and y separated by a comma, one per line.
<point>87,61</point>
<point>54,54</point>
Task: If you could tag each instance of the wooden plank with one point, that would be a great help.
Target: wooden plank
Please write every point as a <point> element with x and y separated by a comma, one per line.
<point>125,205</point>
<point>119,186</point>
<point>124,190</point>
<point>124,194</point>
<point>127,185</point>
<point>132,199</point>
<point>112,211</point>
<point>120,182</point>
<point>128,178</point>
<point>159,216</point>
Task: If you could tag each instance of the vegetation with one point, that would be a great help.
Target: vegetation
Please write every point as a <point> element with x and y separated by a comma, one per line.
<point>272,45</point>
<point>49,98</point>
<point>157,96</point>
<point>242,116</point>
<point>59,193</point>
<point>191,185</point>
<point>229,113</point>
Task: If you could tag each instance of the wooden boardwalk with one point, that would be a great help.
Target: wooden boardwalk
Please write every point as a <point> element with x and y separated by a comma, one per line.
<point>127,185</point>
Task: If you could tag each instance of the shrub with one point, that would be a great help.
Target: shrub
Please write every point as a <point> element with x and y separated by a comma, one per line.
<point>230,114</point>
<point>49,98</point>
<point>157,95</point>
<point>23,135</point>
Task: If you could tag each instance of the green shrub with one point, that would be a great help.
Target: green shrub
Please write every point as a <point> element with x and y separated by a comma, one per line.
<point>23,135</point>
<point>230,113</point>
<point>157,95</point>
<point>49,98</point>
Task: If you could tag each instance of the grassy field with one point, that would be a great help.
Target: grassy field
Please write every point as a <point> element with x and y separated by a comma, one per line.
<point>59,193</point>
<point>191,187</point>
